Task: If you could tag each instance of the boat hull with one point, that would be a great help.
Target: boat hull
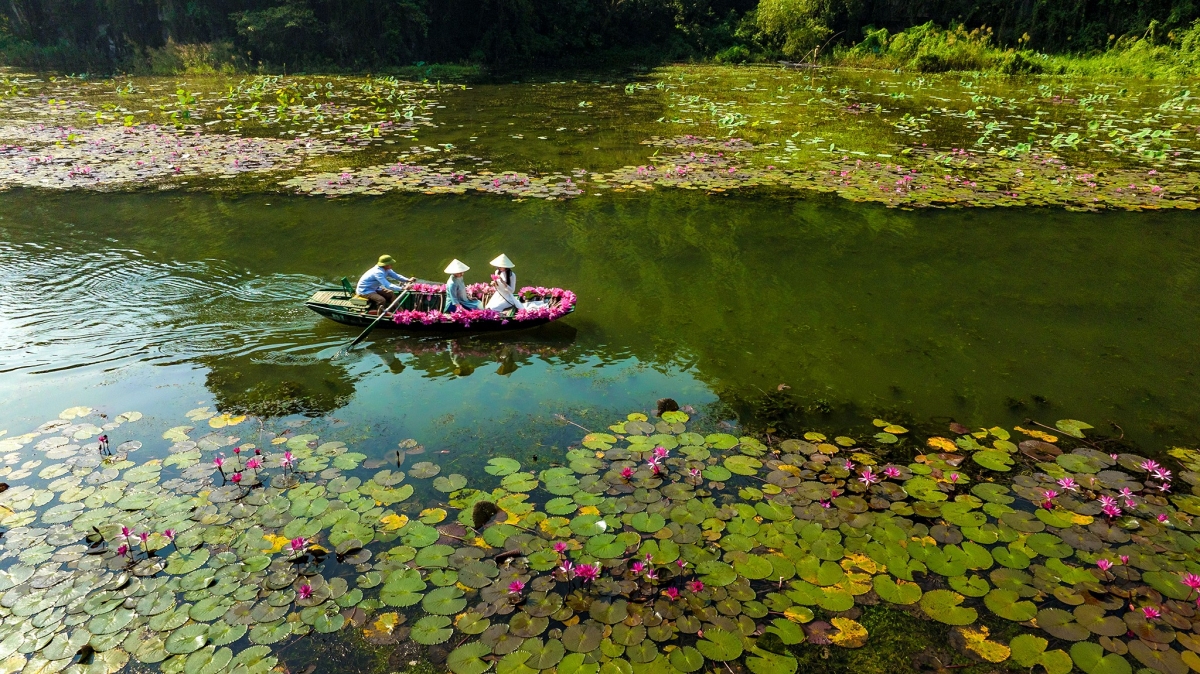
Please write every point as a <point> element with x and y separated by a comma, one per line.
<point>358,317</point>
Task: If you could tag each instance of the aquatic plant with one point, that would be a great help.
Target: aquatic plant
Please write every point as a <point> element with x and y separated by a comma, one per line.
<point>584,566</point>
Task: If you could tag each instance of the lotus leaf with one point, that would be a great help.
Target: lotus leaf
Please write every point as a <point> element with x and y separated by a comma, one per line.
<point>543,655</point>
<point>432,629</point>
<point>187,639</point>
<point>1061,624</point>
<point>944,606</point>
<point>502,466</point>
<point>850,633</point>
<point>444,601</point>
<point>583,637</point>
<point>1007,604</point>
<point>742,465</point>
<point>180,562</point>
<point>720,645</point>
<point>450,483</point>
<point>1090,658</point>
<point>648,522</point>
<point>466,659</point>
<point>993,459</point>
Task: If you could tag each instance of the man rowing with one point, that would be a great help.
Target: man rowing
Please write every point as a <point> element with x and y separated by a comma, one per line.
<point>376,284</point>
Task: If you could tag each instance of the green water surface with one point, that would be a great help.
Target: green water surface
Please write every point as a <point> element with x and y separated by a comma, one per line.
<point>161,301</point>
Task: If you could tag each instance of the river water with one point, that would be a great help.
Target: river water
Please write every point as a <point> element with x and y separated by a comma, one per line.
<point>164,301</point>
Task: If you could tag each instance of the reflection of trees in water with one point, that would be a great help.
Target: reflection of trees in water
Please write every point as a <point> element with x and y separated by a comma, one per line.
<point>278,387</point>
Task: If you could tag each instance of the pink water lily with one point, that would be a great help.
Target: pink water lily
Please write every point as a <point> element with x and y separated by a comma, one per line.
<point>1151,613</point>
<point>305,591</point>
<point>253,464</point>
<point>1192,581</point>
<point>568,570</point>
<point>672,593</point>
<point>1162,518</point>
<point>848,464</point>
<point>868,477</point>
<point>1068,484</point>
<point>1124,559</point>
<point>126,532</point>
<point>954,478</point>
<point>297,544</point>
<point>1104,564</point>
<point>661,452</point>
<point>237,478</point>
<point>1149,466</point>
<point>626,473</point>
<point>588,572</point>
<point>169,534</point>
<point>695,586</point>
<point>637,568</point>
<point>287,460</point>
<point>516,587</point>
<point>560,547</point>
<point>123,550</point>
<point>695,472</point>
<point>219,461</point>
<point>891,472</point>
<point>681,563</point>
<point>1162,474</point>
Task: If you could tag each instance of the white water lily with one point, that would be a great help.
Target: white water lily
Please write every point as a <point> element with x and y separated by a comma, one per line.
<point>603,525</point>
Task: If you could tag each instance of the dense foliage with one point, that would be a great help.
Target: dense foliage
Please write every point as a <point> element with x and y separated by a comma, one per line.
<point>173,35</point>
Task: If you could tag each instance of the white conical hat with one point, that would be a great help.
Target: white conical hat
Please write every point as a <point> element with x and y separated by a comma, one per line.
<point>502,261</point>
<point>456,267</point>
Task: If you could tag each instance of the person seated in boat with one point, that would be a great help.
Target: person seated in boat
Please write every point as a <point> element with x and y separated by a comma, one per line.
<point>505,282</point>
<point>376,284</point>
<point>456,289</point>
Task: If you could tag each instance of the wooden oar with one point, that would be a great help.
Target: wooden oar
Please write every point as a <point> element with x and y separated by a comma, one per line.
<point>370,327</point>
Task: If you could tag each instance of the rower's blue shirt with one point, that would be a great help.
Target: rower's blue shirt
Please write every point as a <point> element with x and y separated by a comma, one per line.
<point>376,278</point>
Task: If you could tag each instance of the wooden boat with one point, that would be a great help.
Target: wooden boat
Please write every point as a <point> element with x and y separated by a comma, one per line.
<point>343,306</point>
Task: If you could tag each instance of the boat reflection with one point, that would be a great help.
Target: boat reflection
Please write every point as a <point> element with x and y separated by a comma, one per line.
<point>461,357</point>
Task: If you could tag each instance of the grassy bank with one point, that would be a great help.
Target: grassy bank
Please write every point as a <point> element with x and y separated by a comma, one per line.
<point>929,48</point>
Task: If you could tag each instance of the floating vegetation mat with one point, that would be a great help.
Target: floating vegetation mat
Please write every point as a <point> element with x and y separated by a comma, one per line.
<point>891,138</point>
<point>655,549</point>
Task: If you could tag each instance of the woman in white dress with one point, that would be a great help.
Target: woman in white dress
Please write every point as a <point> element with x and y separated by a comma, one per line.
<point>505,282</point>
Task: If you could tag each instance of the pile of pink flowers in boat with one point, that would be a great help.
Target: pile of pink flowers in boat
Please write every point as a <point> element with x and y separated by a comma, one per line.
<point>559,302</point>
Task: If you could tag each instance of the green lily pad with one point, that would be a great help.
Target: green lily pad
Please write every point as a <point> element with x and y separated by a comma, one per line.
<point>519,482</point>
<point>502,466</point>
<point>444,601</point>
<point>1090,657</point>
<point>431,630</point>
<point>742,464</point>
<point>466,659</point>
<point>944,606</point>
<point>903,592</point>
<point>180,562</point>
<point>187,639</point>
<point>576,663</point>
<point>1007,604</point>
<point>993,459</point>
<point>450,483</point>
<point>270,633</point>
<point>766,662</point>
<point>720,645</point>
<point>1072,427</point>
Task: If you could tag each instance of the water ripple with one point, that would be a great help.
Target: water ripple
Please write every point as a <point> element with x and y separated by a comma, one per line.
<point>68,309</point>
